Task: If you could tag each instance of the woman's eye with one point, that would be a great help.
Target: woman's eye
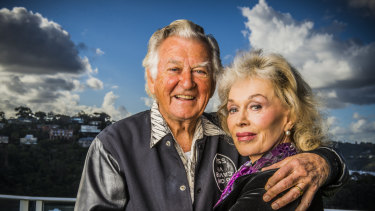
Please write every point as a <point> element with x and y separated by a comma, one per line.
<point>255,107</point>
<point>232,110</point>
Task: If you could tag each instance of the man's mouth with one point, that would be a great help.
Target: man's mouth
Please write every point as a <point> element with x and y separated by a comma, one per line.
<point>245,136</point>
<point>184,97</point>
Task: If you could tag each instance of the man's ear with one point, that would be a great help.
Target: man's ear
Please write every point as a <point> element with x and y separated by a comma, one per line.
<point>150,82</point>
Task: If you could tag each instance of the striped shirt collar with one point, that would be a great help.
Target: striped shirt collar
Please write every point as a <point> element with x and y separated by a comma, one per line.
<point>160,129</point>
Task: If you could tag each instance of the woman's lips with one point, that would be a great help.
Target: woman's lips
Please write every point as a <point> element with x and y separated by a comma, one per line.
<point>245,136</point>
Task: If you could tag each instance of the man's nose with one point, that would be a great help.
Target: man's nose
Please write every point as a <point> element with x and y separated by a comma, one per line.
<point>187,79</point>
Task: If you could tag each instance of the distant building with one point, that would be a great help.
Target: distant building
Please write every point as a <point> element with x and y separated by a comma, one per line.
<point>60,134</point>
<point>78,120</point>
<point>4,139</point>
<point>89,129</point>
<point>85,141</point>
<point>47,128</point>
<point>97,123</point>
<point>29,139</point>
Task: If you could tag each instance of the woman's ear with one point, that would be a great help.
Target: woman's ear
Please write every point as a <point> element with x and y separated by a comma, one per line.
<point>290,121</point>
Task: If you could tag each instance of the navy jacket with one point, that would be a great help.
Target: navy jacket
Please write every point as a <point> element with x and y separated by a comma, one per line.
<point>138,177</point>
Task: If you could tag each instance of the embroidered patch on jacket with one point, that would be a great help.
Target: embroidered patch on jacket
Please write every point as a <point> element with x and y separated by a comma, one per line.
<point>223,169</point>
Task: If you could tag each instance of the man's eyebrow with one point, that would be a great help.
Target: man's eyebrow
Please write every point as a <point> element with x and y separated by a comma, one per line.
<point>202,64</point>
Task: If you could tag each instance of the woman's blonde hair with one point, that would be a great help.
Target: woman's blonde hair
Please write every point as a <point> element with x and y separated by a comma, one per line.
<point>290,88</point>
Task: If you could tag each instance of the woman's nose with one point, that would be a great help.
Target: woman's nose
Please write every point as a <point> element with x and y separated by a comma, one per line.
<point>243,120</point>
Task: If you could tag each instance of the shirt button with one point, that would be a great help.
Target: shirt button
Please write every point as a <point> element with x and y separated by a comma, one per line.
<point>182,188</point>
<point>168,143</point>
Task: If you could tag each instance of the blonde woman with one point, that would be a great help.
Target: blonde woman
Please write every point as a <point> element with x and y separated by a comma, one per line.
<point>269,111</point>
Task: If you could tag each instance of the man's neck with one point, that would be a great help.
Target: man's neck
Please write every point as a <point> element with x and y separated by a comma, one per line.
<point>183,132</point>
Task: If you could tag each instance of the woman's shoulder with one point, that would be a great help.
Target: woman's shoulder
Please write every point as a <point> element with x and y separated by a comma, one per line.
<point>248,190</point>
<point>251,193</point>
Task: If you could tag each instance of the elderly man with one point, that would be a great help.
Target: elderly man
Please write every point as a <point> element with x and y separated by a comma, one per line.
<point>174,156</point>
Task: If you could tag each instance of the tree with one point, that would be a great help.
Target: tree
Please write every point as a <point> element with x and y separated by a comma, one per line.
<point>84,116</point>
<point>102,116</point>
<point>2,116</point>
<point>104,119</point>
<point>23,112</point>
<point>51,116</point>
<point>41,116</point>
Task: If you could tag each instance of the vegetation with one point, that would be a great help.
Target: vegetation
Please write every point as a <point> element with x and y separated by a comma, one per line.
<point>49,168</point>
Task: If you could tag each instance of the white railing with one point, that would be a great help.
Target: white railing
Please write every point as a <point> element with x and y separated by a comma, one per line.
<point>39,201</point>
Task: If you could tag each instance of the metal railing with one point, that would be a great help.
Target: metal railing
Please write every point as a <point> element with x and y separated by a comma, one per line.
<point>24,201</point>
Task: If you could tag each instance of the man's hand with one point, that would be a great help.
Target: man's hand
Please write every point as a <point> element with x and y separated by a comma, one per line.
<point>308,171</point>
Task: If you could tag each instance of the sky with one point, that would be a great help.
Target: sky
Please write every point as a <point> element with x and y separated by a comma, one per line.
<point>70,56</point>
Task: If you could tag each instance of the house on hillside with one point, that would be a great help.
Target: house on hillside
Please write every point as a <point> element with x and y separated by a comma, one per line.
<point>85,141</point>
<point>4,139</point>
<point>29,139</point>
<point>78,120</point>
<point>89,129</point>
<point>96,123</point>
<point>60,134</point>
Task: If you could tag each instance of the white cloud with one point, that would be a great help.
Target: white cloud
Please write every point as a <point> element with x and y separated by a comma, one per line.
<point>343,68</point>
<point>94,83</point>
<point>99,52</point>
<point>148,101</point>
<point>108,107</point>
<point>40,67</point>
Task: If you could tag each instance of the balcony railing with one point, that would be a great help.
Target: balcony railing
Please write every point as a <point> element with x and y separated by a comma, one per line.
<point>30,203</point>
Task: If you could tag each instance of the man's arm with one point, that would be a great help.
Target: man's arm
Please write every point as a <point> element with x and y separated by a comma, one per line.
<point>101,186</point>
<point>322,167</point>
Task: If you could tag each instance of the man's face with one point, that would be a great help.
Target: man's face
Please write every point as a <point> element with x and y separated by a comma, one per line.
<point>184,80</point>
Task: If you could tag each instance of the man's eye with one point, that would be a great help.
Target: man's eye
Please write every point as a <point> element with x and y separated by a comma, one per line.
<point>174,69</point>
<point>200,72</point>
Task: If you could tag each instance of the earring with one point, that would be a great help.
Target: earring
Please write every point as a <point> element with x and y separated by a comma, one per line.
<point>287,133</point>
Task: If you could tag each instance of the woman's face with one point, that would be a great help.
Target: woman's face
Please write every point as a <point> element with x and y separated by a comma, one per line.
<point>256,117</point>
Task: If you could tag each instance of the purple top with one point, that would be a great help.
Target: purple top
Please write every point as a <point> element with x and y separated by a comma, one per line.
<point>277,154</point>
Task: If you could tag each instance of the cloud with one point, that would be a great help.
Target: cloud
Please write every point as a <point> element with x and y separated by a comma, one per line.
<point>148,101</point>
<point>108,107</point>
<point>32,44</point>
<point>99,52</point>
<point>359,129</point>
<point>40,67</point>
<point>327,63</point>
<point>367,5</point>
<point>94,83</point>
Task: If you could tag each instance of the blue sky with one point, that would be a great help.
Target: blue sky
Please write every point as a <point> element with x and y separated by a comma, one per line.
<point>68,56</point>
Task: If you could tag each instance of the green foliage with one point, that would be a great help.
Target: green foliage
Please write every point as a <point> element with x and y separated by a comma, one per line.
<point>23,112</point>
<point>50,168</point>
<point>357,194</point>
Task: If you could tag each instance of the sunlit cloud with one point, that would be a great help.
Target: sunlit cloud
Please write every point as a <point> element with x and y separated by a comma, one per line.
<point>328,64</point>
<point>40,67</point>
